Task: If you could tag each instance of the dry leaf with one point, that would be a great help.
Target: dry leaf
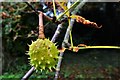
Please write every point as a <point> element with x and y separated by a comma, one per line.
<point>82,20</point>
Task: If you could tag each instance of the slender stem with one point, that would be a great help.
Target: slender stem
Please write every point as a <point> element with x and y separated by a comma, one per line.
<point>95,47</point>
<point>68,9</point>
<point>66,38</point>
<point>28,74</point>
<point>61,53</point>
<point>71,41</point>
<point>58,66</point>
<point>108,47</point>
<point>41,28</point>
<point>47,17</point>
<point>54,7</point>
<point>80,5</point>
<point>57,32</point>
<point>32,7</point>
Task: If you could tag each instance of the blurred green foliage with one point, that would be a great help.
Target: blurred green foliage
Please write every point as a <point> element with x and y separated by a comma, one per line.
<point>18,28</point>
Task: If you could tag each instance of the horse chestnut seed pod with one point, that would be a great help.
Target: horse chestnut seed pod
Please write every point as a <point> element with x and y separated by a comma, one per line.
<point>43,54</point>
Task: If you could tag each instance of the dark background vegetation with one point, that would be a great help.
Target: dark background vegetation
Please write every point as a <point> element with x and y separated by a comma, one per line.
<point>20,27</point>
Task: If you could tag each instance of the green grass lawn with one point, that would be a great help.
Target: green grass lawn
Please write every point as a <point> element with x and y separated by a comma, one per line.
<point>90,64</point>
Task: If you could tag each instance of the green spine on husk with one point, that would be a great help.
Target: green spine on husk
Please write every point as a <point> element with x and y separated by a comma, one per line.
<point>43,54</point>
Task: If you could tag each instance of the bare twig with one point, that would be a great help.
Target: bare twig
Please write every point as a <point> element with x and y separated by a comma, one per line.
<point>66,38</point>
<point>58,66</point>
<point>68,9</point>
<point>28,74</point>
<point>48,18</point>
<point>57,32</point>
<point>32,7</point>
<point>41,28</point>
<point>80,5</point>
<point>62,53</point>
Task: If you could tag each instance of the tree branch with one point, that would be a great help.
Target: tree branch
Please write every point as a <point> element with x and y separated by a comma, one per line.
<point>66,38</point>
<point>41,28</point>
<point>32,7</point>
<point>79,6</point>
<point>28,74</point>
<point>57,32</point>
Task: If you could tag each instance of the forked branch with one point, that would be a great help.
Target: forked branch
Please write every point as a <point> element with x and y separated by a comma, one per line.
<point>66,38</point>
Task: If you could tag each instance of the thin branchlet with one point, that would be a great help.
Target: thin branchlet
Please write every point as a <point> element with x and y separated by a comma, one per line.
<point>41,27</point>
<point>36,11</point>
<point>66,38</point>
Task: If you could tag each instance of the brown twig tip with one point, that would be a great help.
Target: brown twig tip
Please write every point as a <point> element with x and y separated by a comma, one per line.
<point>41,28</point>
<point>100,26</point>
<point>95,25</point>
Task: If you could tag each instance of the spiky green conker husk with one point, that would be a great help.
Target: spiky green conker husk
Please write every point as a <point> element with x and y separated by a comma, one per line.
<point>43,54</point>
